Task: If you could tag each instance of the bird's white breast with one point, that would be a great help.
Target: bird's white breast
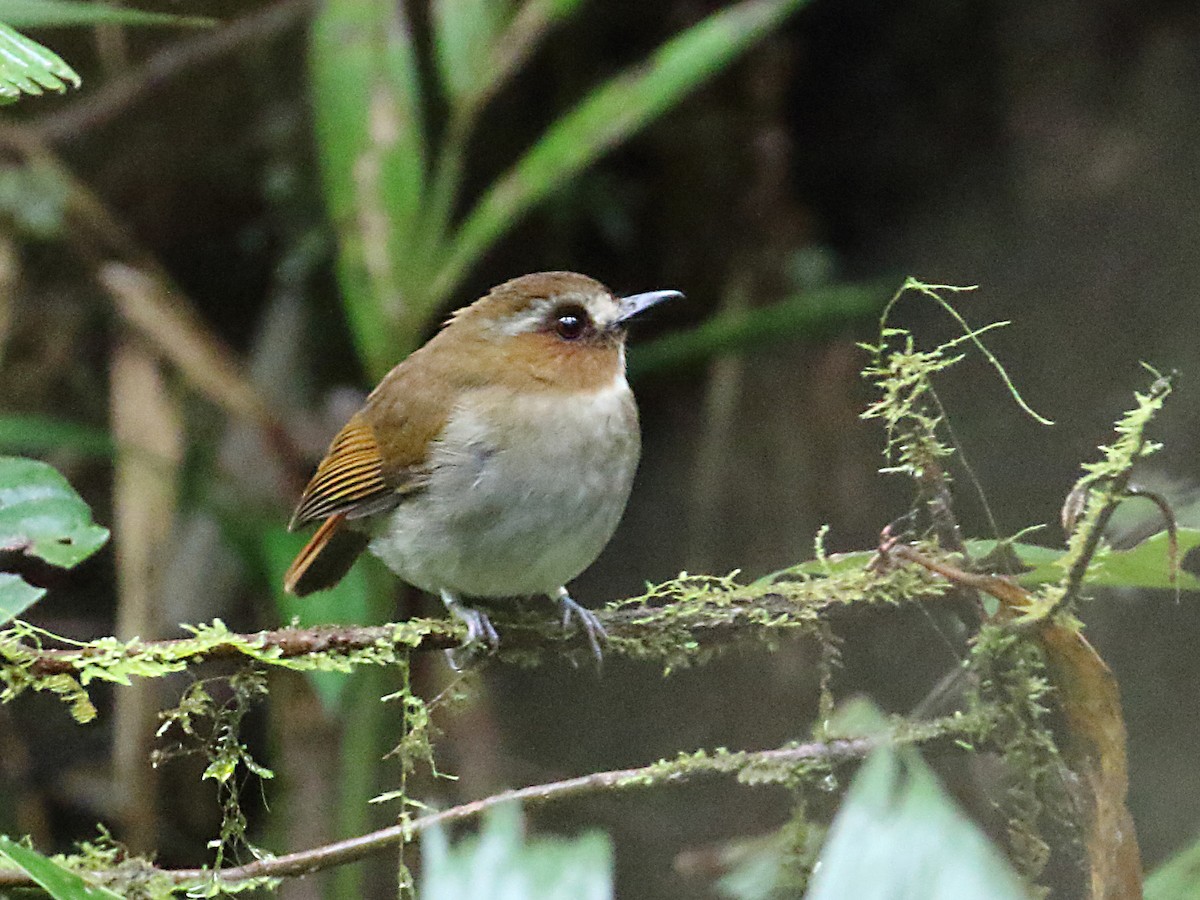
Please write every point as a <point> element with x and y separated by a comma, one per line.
<point>525,491</point>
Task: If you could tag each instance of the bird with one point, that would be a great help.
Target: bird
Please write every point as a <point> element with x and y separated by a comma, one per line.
<point>493,462</point>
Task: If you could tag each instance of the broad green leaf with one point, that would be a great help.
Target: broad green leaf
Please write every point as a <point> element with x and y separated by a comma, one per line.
<point>1144,566</point>
<point>899,835</point>
<point>26,67</point>
<point>40,434</point>
<point>605,118</point>
<point>16,596</point>
<point>346,603</point>
<point>40,514</point>
<point>55,13</point>
<point>59,883</point>
<point>1178,878</point>
<point>464,32</point>
<point>371,147</point>
<point>502,864</point>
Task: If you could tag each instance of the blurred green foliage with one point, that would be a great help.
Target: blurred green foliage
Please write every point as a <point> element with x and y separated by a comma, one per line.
<point>393,182</point>
<point>502,863</point>
<point>44,434</point>
<point>898,834</point>
<point>1178,878</point>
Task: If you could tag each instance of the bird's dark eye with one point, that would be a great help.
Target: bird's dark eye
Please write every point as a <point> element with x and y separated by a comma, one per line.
<point>569,324</point>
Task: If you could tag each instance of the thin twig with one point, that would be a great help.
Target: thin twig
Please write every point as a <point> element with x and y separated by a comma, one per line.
<point>1172,526</point>
<point>306,862</point>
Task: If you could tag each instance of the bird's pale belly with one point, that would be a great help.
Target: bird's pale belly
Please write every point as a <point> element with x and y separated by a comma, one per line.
<point>518,510</point>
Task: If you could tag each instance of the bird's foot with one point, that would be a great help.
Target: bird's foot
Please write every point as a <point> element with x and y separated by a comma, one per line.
<point>482,640</point>
<point>588,621</point>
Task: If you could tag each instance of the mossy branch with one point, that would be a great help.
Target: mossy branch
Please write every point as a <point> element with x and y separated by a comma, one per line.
<point>680,622</point>
<point>787,766</point>
<point>1105,484</point>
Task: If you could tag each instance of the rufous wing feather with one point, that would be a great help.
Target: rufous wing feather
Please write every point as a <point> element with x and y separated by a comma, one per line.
<point>349,479</point>
<point>350,483</point>
<point>375,462</point>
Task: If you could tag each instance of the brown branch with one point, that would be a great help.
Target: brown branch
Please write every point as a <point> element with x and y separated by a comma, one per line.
<point>305,862</point>
<point>729,619</point>
<point>288,642</point>
<point>1172,526</point>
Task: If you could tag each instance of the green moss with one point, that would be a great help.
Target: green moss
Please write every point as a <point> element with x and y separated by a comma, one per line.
<point>1013,695</point>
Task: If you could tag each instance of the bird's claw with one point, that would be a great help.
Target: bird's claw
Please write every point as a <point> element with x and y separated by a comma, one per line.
<point>482,640</point>
<point>588,621</point>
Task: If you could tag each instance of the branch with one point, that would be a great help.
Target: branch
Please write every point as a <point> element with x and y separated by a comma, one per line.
<point>754,767</point>
<point>1109,478</point>
<point>680,622</point>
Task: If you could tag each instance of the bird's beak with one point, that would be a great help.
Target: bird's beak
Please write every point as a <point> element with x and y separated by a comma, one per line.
<point>636,304</point>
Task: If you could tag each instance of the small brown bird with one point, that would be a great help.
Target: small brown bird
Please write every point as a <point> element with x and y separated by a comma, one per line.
<point>495,461</point>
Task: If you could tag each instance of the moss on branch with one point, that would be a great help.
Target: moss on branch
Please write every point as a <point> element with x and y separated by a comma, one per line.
<point>680,622</point>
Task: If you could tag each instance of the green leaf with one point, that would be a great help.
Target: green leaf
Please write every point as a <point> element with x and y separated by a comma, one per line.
<point>26,67</point>
<point>899,835</point>
<point>501,864</point>
<point>605,118</point>
<point>463,34</point>
<point>1178,878</point>
<point>346,603</point>
<point>371,147</point>
<point>16,596</point>
<point>55,13</point>
<point>40,434</point>
<point>59,883</point>
<point>40,514</point>
<point>1145,566</point>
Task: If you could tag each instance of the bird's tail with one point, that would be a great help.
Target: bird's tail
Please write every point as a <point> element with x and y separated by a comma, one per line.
<point>326,558</point>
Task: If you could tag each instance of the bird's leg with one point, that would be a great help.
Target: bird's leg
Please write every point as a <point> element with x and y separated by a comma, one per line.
<point>588,621</point>
<point>480,633</point>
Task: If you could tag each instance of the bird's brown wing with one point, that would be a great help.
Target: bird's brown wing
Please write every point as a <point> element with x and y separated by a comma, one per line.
<point>351,482</point>
<point>381,455</point>
<point>352,479</point>
<point>377,460</point>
